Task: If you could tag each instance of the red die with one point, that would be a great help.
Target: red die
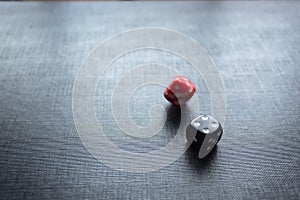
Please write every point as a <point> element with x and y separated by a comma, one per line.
<point>180,90</point>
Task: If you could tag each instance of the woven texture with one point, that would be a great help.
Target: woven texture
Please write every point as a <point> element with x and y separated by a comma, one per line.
<point>256,46</point>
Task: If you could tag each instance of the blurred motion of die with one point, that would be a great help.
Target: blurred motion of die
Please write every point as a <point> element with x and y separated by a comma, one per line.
<point>180,90</point>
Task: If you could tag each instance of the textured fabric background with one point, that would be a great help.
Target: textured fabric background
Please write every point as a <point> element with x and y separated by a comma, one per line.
<point>256,46</point>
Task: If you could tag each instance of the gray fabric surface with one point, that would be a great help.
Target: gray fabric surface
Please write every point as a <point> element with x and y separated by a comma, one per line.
<point>256,48</point>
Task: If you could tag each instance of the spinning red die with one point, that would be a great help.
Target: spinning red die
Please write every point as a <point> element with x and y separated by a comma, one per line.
<point>180,90</point>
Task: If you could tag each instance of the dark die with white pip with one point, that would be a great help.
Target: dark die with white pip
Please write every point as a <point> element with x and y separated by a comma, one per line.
<point>204,132</point>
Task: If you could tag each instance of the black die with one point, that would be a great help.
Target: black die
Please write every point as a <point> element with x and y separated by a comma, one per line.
<point>204,132</point>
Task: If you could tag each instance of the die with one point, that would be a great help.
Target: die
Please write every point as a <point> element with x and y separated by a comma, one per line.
<point>203,133</point>
<point>180,90</point>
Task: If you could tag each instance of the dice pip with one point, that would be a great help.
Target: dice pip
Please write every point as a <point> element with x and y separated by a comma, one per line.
<point>204,132</point>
